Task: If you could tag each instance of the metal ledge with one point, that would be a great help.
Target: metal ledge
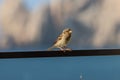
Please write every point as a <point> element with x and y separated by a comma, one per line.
<point>34,54</point>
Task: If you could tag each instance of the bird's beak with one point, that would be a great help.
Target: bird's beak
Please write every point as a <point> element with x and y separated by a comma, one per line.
<point>70,31</point>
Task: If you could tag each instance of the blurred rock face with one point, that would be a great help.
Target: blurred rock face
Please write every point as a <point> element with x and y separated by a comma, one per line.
<point>95,23</point>
<point>20,26</point>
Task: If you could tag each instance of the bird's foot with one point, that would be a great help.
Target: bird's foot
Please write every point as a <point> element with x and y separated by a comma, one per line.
<point>68,49</point>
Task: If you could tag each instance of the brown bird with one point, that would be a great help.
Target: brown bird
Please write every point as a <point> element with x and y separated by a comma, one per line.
<point>62,40</point>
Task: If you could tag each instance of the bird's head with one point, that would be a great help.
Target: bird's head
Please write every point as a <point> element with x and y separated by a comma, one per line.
<point>67,30</point>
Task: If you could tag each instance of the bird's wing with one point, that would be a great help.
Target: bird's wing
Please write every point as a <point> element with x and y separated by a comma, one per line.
<point>59,38</point>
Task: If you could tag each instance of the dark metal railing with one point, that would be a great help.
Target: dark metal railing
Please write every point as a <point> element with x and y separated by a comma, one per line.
<point>33,54</point>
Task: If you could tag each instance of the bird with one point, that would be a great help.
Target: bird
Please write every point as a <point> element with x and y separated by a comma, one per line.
<point>62,40</point>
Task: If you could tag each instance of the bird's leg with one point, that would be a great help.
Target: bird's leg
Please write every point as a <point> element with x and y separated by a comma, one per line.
<point>62,49</point>
<point>68,49</point>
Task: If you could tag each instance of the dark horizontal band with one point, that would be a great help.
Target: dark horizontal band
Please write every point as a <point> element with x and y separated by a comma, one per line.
<point>33,54</point>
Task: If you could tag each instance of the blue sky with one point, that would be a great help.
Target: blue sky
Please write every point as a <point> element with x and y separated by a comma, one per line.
<point>33,3</point>
<point>1,1</point>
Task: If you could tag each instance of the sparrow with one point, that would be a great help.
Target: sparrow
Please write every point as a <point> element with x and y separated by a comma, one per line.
<point>62,41</point>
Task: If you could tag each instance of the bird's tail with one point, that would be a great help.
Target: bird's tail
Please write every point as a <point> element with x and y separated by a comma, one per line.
<point>49,49</point>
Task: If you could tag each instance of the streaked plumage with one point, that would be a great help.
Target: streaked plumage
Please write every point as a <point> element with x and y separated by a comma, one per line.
<point>62,40</point>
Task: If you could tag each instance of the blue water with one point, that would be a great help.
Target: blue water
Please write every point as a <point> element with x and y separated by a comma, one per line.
<point>61,68</point>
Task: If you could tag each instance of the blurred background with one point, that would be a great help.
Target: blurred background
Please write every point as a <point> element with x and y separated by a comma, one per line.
<point>35,24</point>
